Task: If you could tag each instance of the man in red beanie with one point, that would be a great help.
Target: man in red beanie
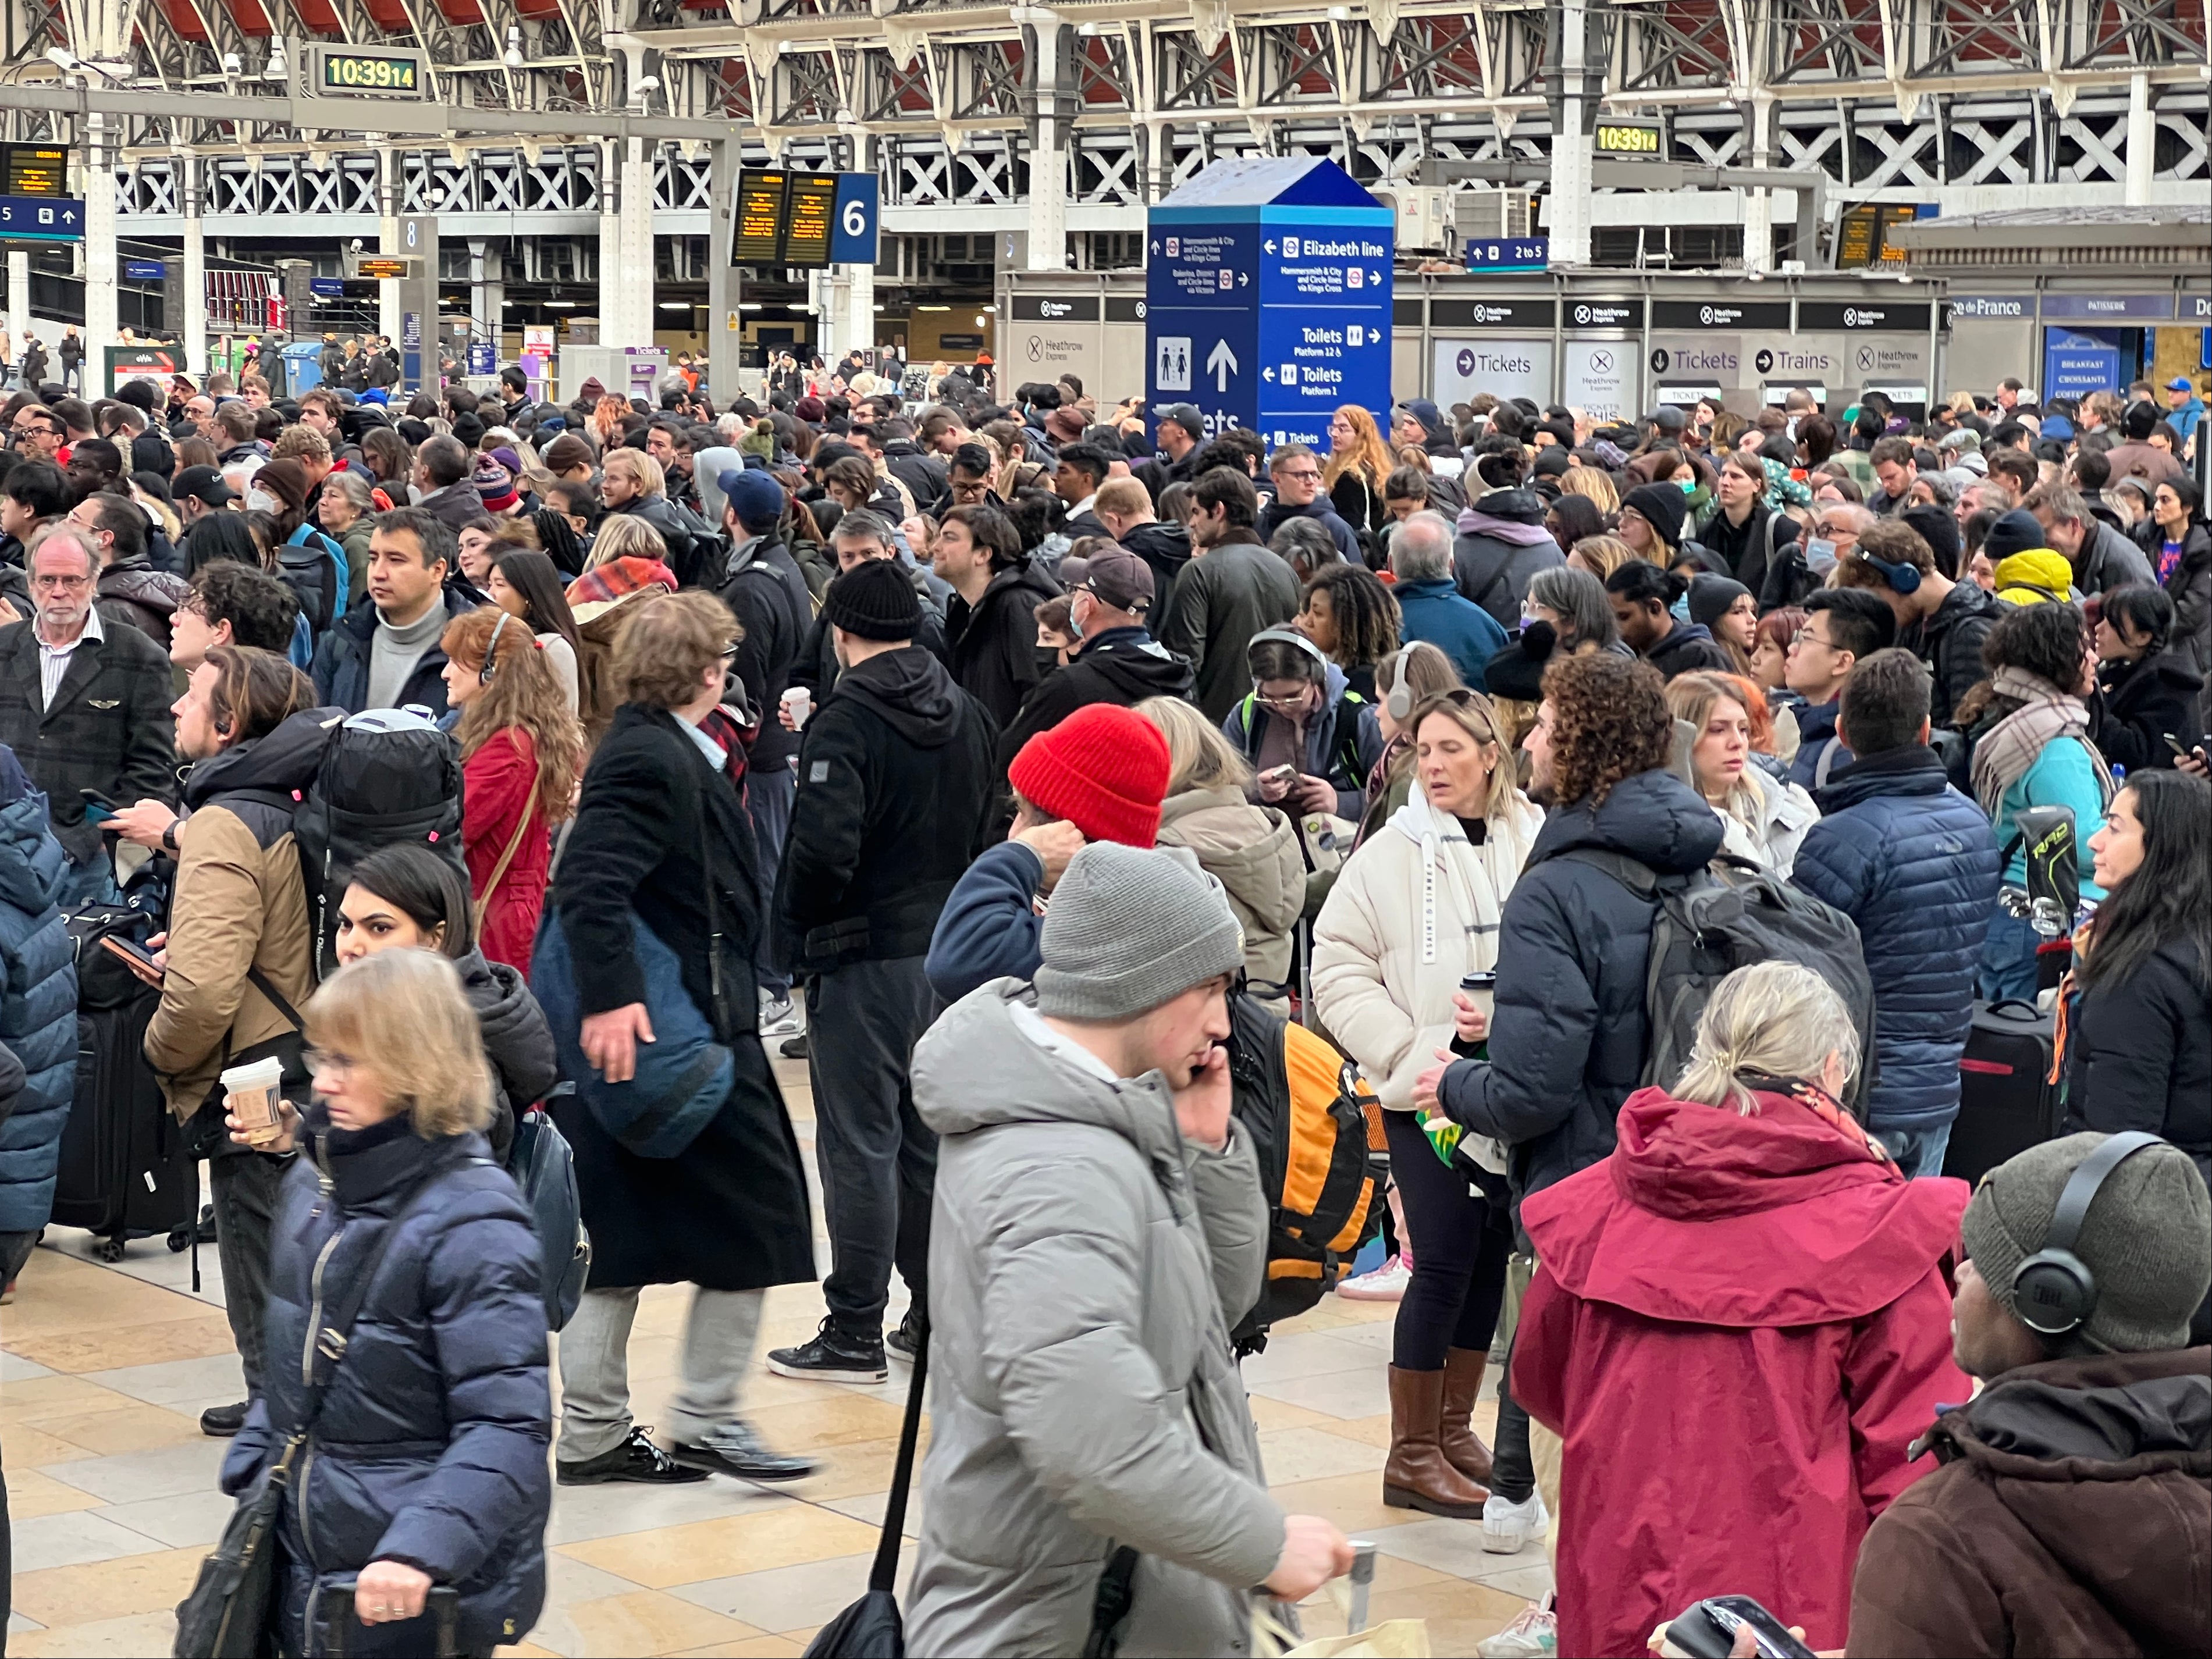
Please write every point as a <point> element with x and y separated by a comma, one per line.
<point>1100,775</point>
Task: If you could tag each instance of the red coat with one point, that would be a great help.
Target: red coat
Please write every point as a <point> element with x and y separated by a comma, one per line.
<point>1738,1325</point>
<point>496,785</point>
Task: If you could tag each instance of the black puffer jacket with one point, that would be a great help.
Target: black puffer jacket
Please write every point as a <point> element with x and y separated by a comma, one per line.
<point>1568,1033</point>
<point>516,1042</point>
<point>897,788</point>
<point>1166,547</point>
<point>131,591</point>
<point>2139,704</point>
<point>991,645</point>
<point>1122,666</point>
<point>2139,1054</point>
<point>924,475</point>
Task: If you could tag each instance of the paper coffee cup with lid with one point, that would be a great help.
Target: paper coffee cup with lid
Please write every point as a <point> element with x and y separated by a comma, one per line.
<point>251,1093</point>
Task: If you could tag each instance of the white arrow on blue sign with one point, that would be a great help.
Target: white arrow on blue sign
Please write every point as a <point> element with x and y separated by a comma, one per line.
<point>35,219</point>
<point>1221,363</point>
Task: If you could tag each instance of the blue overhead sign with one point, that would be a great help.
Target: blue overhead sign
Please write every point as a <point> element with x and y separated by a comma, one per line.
<point>1268,297</point>
<point>144,271</point>
<point>2075,365</point>
<point>1509,253</point>
<point>41,219</point>
<point>853,230</point>
<point>327,288</point>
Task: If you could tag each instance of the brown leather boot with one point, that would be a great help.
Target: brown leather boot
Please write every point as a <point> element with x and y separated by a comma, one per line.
<point>1463,1447</point>
<point>1417,1476</point>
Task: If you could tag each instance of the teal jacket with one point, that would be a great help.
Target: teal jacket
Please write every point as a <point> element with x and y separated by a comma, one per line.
<point>2063,775</point>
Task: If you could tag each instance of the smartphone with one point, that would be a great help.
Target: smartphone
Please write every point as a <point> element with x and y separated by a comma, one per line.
<point>132,951</point>
<point>98,809</point>
<point>1285,773</point>
<point>1708,1629</point>
<point>2174,743</point>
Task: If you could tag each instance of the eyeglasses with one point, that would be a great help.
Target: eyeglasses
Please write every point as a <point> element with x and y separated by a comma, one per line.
<point>329,1059</point>
<point>1805,636</point>
<point>1301,473</point>
<point>1284,703</point>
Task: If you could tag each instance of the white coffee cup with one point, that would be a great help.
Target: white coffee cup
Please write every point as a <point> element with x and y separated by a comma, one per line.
<point>798,703</point>
<point>251,1096</point>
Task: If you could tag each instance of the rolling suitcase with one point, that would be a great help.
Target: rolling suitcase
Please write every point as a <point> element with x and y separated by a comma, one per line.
<point>126,1170</point>
<point>2006,1104</point>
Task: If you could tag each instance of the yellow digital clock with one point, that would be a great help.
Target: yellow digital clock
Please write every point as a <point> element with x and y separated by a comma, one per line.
<point>1621,138</point>
<point>376,74</point>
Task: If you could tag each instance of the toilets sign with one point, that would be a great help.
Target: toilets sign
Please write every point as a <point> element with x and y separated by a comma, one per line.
<point>1268,297</point>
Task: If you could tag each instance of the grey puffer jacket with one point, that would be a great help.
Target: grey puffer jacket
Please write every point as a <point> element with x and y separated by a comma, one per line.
<point>1086,1265</point>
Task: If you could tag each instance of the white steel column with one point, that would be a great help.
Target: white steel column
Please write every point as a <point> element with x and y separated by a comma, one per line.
<point>100,269</point>
<point>2142,142</point>
<point>1047,203</point>
<point>19,298</point>
<point>1570,226</point>
<point>637,308</point>
<point>193,323</point>
<point>1758,204</point>
<point>390,184</point>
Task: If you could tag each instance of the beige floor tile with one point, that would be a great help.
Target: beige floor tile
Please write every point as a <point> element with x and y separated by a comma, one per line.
<point>1280,1414</point>
<point>31,1494</point>
<point>135,1429</point>
<point>760,1647</point>
<point>1341,1396</point>
<point>56,1292</point>
<point>851,1470</point>
<point>30,1449</point>
<point>74,1538</point>
<point>1310,1353</point>
<point>840,1419</point>
<point>105,1638</point>
<point>1368,1430</point>
<point>1458,1614</point>
<point>97,1346</point>
<point>1353,1502</point>
<point>1290,1454</point>
<point>724,1548</point>
<point>109,1589</point>
<point>641,1622</point>
<point>788,1599</point>
<point>57,1396</point>
<point>525,1650</point>
<point>1452,1546</point>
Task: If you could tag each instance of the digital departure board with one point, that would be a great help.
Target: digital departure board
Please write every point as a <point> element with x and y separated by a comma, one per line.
<point>757,237</point>
<point>34,170</point>
<point>783,219</point>
<point>809,209</point>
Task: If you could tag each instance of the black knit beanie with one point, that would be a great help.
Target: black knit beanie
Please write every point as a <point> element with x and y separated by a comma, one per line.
<point>874,601</point>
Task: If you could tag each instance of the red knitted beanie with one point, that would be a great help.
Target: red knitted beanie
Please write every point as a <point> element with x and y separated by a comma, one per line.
<point>1103,769</point>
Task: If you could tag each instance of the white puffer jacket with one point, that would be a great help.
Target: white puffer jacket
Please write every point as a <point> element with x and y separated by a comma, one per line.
<point>1771,829</point>
<point>1416,909</point>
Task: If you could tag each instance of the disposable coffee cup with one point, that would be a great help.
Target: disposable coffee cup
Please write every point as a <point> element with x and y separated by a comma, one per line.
<point>251,1094</point>
<point>798,703</point>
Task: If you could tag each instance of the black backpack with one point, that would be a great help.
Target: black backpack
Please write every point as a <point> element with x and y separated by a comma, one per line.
<point>306,564</point>
<point>1705,927</point>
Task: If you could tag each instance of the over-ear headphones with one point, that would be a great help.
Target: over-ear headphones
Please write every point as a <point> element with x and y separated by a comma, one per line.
<point>491,648</point>
<point>1901,577</point>
<point>2053,1291</point>
<point>1399,700</point>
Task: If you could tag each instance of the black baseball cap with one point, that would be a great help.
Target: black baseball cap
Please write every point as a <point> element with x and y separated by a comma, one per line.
<point>206,483</point>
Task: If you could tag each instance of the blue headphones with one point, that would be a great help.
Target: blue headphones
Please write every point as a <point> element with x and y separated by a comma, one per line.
<point>1901,577</point>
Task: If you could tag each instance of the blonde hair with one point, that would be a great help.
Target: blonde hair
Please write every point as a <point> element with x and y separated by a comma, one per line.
<point>625,536</point>
<point>1593,482</point>
<point>402,1015</point>
<point>665,649</point>
<point>1475,714</point>
<point>1199,756</point>
<point>1603,554</point>
<point>1779,1019</point>
<point>650,479</point>
<point>1693,697</point>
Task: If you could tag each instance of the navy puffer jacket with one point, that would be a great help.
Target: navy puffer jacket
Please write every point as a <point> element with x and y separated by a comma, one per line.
<point>1568,1030</point>
<point>431,1446</point>
<point>1914,863</point>
<point>38,1009</point>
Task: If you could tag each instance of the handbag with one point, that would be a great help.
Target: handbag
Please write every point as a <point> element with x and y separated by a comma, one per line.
<point>871,1627</point>
<point>226,1616</point>
<point>544,1167</point>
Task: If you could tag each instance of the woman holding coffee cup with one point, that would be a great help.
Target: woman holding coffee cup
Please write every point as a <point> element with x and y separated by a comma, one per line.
<point>428,1453</point>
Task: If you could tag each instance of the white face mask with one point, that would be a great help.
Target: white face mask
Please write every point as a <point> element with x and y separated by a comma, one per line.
<point>259,501</point>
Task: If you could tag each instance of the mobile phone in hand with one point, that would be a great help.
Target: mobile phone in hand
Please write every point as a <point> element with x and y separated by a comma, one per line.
<point>98,809</point>
<point>1708,1629</point>
<point>137,954</point>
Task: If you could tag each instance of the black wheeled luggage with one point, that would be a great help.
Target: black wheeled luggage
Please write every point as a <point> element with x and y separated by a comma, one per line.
<point>2006,1104</point>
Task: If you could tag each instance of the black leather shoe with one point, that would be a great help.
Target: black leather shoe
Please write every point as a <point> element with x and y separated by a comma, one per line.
<point>794,1048</point>
<point>734,1448</point>
<point>636,1458</point>
<point>222,1422</point>
<point>833,1356</point>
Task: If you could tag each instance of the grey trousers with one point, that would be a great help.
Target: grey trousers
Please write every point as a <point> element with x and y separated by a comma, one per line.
<point>245,1188</point>
<point>768,797</point>
<point>878,1158</point>
<point>720,1333</point>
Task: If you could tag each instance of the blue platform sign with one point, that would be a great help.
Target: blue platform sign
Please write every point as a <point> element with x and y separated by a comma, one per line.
<point>327,288</point>
<point>41,219</point>
<point>1268,297</point>
<point>145,271</point>
<point>853,230</point>
<point>1509,253</point>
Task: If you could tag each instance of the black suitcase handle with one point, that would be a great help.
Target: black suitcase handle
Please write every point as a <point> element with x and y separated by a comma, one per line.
<point>2027,1011</point>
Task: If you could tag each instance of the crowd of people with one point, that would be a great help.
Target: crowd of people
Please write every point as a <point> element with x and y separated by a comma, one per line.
<point>997,759</point>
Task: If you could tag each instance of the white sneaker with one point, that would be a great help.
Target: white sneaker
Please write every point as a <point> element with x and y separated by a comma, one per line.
<point>1384,1284</point>
<point>781,1019</point>
<point>1534,1634</point>
<point>1506,1527</point>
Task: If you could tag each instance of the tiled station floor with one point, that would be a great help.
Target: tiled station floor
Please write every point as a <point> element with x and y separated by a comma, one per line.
<point>104,1369</point>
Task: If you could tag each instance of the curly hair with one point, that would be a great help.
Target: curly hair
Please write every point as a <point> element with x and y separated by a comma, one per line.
<point>1609,721</point>
<point>2047,641</point>
<point>1365,610</point>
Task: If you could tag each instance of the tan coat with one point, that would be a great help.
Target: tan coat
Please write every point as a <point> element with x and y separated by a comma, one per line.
<point>1253,852</point>
<point>238,905</point>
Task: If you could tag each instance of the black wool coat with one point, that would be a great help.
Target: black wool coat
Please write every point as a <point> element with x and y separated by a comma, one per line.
<point>654,825</point>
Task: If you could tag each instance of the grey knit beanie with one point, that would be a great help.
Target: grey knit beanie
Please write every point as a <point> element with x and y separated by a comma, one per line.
<point>1129,930</point>
<point>2147,1238</point>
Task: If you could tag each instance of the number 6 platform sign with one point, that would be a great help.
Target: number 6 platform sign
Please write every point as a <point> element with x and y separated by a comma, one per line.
<point>853,230</point>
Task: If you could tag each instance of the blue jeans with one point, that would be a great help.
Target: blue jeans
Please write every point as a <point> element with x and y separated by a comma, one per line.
<point>2007,968</point>
<point>1918,1152</point>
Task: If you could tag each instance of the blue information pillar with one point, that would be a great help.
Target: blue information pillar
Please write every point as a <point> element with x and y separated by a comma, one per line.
<point>1268,297</point>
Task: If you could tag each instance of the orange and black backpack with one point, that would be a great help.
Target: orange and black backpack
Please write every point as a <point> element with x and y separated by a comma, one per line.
<point>1317,1129</point>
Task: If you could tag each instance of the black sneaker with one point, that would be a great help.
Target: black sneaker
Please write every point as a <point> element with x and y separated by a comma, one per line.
<point>794,1048</point>
<point>834,1356</point>
<point>907,1339</point>
<point>636,1458</point>
<point>222,1422</point>
<point>734,1448</point>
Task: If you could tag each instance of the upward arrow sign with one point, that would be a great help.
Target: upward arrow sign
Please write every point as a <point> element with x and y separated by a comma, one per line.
<point>1221,363</point>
